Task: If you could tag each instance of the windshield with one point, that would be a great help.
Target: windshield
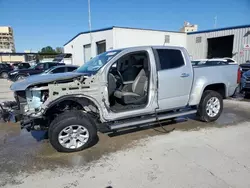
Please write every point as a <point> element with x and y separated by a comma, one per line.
<point>93,65</point>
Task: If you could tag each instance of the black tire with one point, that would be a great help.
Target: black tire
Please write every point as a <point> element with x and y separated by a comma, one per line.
<point>72,118</point>
<point>240,89</point>
<point>202,108</point>
<point>4,75</point>
<point>247,95</point>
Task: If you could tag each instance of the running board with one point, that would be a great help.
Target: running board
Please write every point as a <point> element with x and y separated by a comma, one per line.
<point>153,118</point>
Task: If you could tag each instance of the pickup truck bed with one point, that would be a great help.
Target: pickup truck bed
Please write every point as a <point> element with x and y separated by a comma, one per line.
<point>225,75</point>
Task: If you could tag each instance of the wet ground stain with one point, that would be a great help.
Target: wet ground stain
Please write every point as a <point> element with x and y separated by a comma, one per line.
<point>20,152</point>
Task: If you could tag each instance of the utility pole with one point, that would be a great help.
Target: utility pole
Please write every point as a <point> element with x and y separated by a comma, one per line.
<point>215,22</point>
<point>89,13</point>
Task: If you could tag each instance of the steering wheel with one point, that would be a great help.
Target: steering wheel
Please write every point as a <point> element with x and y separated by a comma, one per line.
<point>119,79</point>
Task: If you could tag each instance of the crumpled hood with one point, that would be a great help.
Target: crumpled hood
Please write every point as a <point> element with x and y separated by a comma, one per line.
<point>38,79</point>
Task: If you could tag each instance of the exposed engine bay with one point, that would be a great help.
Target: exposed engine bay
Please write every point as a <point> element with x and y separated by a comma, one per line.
<point>35,98</point>
<point>38,104</point>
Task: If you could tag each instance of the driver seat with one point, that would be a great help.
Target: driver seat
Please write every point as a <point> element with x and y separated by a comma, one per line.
<point>137,92</point>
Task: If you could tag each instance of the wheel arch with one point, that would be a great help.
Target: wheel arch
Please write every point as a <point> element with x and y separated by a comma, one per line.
<point>81,100</point>
<point>198,92</point>
<point>21,74</point>
<point>218,87</point>
<point>3,71</point>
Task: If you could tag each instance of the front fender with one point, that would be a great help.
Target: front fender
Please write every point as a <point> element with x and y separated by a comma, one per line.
<point>79,98</point>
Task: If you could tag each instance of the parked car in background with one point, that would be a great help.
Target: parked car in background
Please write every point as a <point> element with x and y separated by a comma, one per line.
<point>245,67</point>
<point>244,85</point>
<point>5,69</point>
<point>61,69</point>
<point>63,58</point>
<point>73,106</point>
<point>21,65</point>
<point>37,69</point>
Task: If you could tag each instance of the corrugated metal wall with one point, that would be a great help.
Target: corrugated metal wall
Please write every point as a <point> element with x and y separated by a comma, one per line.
<point>199,50</point>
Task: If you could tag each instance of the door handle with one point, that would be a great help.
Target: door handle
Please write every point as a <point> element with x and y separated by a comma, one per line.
<point>183,75</point>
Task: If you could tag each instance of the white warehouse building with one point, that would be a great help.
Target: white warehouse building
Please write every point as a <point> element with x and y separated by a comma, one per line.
<point>82,49</point>
<point>231,42</point>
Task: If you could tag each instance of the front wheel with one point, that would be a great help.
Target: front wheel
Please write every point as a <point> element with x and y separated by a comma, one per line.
<point>72,131</point>
<point>210,107</point>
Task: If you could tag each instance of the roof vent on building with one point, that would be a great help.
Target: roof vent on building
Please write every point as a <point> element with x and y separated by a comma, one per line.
<point>167,39</point>
<point>198,40</point>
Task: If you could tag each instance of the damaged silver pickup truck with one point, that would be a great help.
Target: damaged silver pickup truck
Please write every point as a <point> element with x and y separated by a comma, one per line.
<point>120,89</point>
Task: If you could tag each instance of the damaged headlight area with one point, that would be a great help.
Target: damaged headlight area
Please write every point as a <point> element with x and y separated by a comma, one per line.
<point>28,105</point>
<point>35,97</point>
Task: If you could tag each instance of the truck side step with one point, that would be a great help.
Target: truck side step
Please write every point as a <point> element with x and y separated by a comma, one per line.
<point>149,119</point>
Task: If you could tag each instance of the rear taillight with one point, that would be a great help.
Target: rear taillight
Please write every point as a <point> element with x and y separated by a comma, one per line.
<point>238,76</point>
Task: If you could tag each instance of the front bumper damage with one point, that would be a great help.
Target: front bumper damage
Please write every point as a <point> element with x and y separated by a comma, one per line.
<point>10,112</point>
<point>32,103</point>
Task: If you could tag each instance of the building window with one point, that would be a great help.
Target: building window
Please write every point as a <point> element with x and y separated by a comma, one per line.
<point>101,47</point>
<point>167,39</point>
<point>198,39</point>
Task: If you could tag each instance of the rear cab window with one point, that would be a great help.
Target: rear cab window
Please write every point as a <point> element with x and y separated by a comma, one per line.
<point>170,59</point>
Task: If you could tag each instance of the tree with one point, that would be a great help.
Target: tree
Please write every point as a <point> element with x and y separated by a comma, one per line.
<point>59,50</point>
<point>48,49</point>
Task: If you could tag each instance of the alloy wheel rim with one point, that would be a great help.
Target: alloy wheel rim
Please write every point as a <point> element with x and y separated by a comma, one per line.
<point>213,107</point>
<point>20,77</point>
<point>73,136</point>
<point>5,75</point>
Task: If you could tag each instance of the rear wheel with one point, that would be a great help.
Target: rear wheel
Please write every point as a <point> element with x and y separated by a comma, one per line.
<point>4,75</point>
<point>210,107</point>
<point>72,131</point>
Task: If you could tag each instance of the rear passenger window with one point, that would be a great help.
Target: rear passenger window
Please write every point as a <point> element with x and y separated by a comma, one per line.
<point>70,69</point>
<point>51,65</point>
<point>58,70</point>
<point>170,58</point>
